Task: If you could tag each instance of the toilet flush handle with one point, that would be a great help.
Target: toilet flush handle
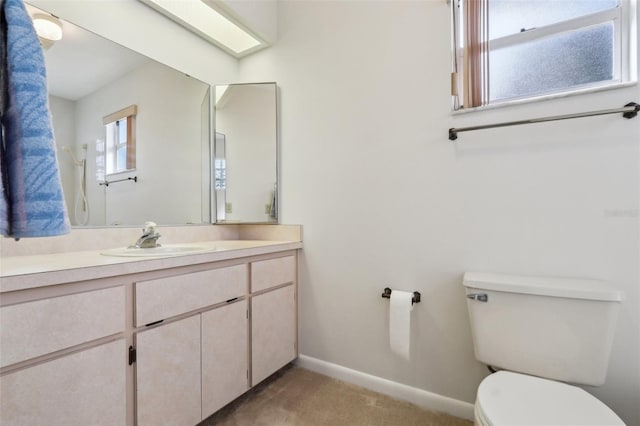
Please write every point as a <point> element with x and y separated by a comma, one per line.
<point>481,297</point>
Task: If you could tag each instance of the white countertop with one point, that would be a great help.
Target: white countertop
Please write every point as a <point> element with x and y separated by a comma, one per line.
<point>24,272</point>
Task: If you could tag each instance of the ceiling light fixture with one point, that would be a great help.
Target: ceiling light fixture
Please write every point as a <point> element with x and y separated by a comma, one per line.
<point>48,28</point>
<point>209,24</point>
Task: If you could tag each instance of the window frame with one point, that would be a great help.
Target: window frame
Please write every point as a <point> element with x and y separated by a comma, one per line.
<point>113,145</point>
<point>113,151</point>
<point>625,51</point>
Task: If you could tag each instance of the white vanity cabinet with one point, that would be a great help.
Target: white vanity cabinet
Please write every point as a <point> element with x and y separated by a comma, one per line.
<point>273,316</point>
<point>225,361</point>
<point>38,327</point>
<point>166,297</point>
<point>191,367</point>
<point>273,332</point>
<point>170,345</point>
<point>63,358</point>
<point>188,369</point>
<point>168,374</point>
<point>84,388</point>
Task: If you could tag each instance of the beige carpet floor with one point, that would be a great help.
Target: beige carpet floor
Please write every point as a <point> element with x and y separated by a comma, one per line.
<point>298,397</point>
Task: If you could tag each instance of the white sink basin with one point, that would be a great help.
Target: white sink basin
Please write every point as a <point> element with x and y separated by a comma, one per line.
<point>164,250</point>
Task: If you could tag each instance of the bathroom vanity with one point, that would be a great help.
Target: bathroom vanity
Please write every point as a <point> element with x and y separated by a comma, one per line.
<point>93,339</point>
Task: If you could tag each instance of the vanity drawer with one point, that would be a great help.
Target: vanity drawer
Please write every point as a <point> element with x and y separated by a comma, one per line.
<point>272,272</point>
<point>31,329</point>
<point>166,297</point>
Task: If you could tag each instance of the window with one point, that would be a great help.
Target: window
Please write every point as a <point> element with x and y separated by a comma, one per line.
<point>120,142</point>
<point>518,49</point>
<point>221,174</point>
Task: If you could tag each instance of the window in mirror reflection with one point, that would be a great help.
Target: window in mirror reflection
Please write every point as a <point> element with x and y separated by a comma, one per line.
<point>221,173</point>
<point>120,141</point>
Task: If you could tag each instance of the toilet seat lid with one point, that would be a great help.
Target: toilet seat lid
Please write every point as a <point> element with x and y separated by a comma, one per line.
<point>506,398</point>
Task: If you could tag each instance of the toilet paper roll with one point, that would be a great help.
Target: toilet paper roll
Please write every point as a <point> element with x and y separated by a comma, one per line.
<point>400,322</point>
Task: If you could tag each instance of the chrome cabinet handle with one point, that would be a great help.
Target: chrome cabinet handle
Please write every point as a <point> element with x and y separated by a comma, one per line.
<point>480,297</point>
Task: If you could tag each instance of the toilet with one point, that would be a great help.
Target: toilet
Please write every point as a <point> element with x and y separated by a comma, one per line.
<point>543,335</point>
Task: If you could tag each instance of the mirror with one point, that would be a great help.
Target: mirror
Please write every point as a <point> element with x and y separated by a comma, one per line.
<point>245,153</point>
<point>90,78</point>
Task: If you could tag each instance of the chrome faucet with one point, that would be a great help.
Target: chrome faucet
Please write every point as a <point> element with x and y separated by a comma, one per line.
<point>149,238</point>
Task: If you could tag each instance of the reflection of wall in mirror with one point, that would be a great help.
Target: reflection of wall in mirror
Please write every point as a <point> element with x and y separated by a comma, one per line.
<point>64,126</point>
<point>247,117</point>
<point>168,147</point>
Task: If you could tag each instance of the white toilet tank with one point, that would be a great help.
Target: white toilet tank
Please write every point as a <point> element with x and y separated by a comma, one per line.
<point>558,328</point>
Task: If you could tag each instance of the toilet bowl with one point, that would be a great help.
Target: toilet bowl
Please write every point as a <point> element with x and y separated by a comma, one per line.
<point>506,398</point>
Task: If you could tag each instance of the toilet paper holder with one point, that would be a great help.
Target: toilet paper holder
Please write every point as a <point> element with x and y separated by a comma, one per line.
<point>414,299</point>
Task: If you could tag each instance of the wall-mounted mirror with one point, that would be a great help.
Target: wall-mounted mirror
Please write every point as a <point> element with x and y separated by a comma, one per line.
<point>245,154</point>
<point>91,78</point>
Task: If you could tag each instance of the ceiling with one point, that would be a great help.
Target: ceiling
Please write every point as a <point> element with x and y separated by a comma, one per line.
<point>83,62</point>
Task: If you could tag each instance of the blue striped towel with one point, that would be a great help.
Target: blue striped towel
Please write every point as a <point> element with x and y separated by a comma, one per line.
<point>32,201</point>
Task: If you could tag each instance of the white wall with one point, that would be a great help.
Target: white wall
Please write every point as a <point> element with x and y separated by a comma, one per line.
<point>387,200</point>
<point>64,130</point>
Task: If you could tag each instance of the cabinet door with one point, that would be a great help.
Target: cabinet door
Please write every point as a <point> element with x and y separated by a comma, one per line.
<point>83,388</point>
<point>168,374</point>
<point>273,331</point>
<point>224,356</point>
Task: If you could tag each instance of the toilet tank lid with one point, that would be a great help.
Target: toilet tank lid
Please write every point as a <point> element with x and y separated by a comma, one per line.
<point>573,288</point>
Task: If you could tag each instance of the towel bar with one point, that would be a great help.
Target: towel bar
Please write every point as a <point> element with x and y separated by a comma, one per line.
<point>107,183</point>
<point>630,110</point>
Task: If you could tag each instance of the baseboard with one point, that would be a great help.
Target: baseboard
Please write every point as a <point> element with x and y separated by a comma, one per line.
<point>419,397</point>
